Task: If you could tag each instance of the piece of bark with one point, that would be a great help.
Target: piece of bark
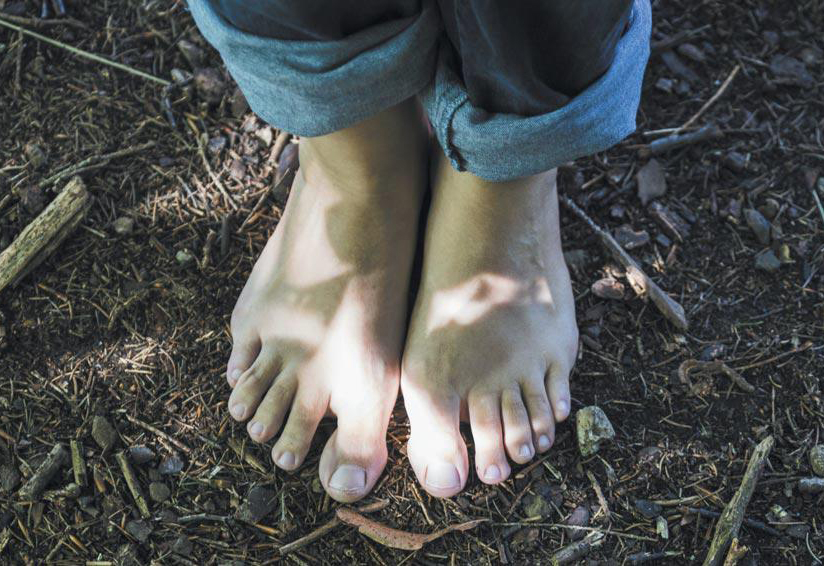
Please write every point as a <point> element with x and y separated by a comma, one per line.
<point>42,236</point>
<point>733,515</point>
<point>676,141</point>
<point>78,464</point>
<point>573,552</point>
<point>134,486</point>
<point>640,281</point>
<point>48,469</point>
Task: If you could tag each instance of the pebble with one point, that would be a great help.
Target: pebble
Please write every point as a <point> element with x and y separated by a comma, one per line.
<point>103,432</point>
<point>663,240</point>
<point>712,352</point>
<point>629,238</point>
<point>184,257</point>
<point>170,465</point>
<point>210,84</point>
<point>811,485</point>
<point>770,208</point>
<point>608,288</point>
<point>193,54</point>
<point>182,546</point>
<point>691,51</point>
<point>33,199</point>
<point>9,478</point>
<point>671,222</point>
<point>35,155</point>
<point>123,226</point>
<point>647,508</point>
<point>736,161</point>
<point>259,502</point>
<point>767,261</point>
<point>238,105</point>
<point>576,259</point>
<point>159,491</point>
<point>216,144</point>
<point>651,182</point>
<point>140,454</point>
<point>593,428</point>
<point>139,529</point>
<point>578,518</point>
<point>758,224</point>
<point>817,459</point>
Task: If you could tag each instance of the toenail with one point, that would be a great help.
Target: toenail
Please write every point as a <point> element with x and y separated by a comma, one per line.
<point>525,451</point>
<point>236,373</point>
<point>544,442</point>
<point>563,407</point>
<point>442,476</point>
<point>286,460</point>
<point>348,478</point>
<point>238,410</point>
<point>256,429</point>
<point>492,473</point>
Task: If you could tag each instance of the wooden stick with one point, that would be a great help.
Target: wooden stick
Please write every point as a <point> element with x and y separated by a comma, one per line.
<point>42,236</point>
<point>78,463</point>
<point>134,486</point>
<point>724,86</point>
<point>82,53</point>
<point>572,552</point>
<point>93,162</point>
<point>640,281</point>
<point>733,515</point>
<point>44,474</point>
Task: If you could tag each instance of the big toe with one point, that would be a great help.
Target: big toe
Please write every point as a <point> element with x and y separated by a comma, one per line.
<point>353,458</point>
<point>436,449</point>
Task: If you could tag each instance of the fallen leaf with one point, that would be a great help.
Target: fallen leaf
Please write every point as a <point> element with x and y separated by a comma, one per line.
<point>394,538</point>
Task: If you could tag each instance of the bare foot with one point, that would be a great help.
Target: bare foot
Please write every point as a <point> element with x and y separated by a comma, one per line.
<point>319,325</point>
<point>493,335</point>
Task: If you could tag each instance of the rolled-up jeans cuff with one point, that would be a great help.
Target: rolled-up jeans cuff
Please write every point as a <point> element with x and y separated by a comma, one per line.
<point>312,88</point>
<point>500,147</point>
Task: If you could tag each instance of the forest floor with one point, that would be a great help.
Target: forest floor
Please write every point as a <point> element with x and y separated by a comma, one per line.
<point>118,341</point>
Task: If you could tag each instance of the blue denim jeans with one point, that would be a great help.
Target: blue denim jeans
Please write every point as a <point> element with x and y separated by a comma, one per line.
<point>502,115</point>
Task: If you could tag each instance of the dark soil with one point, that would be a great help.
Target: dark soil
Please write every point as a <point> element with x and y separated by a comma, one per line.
<point>133,327</point>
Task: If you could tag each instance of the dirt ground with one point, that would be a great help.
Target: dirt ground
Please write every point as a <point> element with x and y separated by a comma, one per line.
<point>118,340</point>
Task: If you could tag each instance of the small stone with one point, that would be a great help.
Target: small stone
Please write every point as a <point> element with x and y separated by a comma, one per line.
<point>536,506</point>
<point>738,162</point>
<point>593,428</point>
<point>651,182</point>
<point>671,222</point>
<point>783,254</point>
<point>578,518</point>
<point>817,459</point>
<point>811,55</point>
<point>811,485</point>
<point>182,546</point>
<point>170,465</point>
<point>265,135</point>
<point>712,352</point>
<point>159,491</point>
<point>123,226</point>
<point>35,155</point>
<point>237,169</point>
<point>216,144</point>
<point>608,288</point>
<point>193,54</point>
<point>259,502</point>
<point>617,211</point>
<point>576,259</point>
<point>103,433</point>
<point>647,508</point>
<point>140,454</point>
<point>139,529</point>
<point>238,105</point>
<point>767,261</point>
<point>760,226</point>
<point>790,71</point>
<point>184,257</point>
<point>663,240</point>
<point>691,51</point>
<point>33,199</point>
<point>629,238</point>
<point>210,85</point>
<point>665,85</point>
<point>179,76</point>
<point>770,208</point>
<point>9,478</point>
